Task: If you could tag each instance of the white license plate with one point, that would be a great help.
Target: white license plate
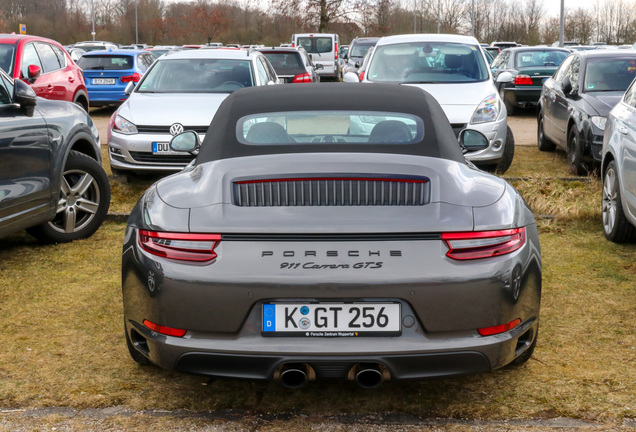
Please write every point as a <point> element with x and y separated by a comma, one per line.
<point>108,81</point>
<point>331,319</point>
<point>162,148</point>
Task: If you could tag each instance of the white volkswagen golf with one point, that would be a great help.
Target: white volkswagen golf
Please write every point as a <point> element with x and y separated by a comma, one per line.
<point>454,70</point>
<point>181,91</point>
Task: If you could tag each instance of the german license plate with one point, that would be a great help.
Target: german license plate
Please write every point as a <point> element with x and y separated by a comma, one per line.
<point>161,148</point>
<point>108,81</point>
<point>331,319</point>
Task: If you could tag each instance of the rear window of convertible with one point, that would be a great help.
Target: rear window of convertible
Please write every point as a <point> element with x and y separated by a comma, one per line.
<point>314,127</point>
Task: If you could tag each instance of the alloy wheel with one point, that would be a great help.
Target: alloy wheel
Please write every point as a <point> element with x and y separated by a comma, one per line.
<point>78,202</point>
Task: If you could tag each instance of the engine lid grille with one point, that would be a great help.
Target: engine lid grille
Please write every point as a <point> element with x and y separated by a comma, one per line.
<point>395,190</point>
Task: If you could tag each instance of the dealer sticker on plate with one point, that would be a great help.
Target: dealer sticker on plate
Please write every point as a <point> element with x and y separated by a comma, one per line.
<point>331,319</point>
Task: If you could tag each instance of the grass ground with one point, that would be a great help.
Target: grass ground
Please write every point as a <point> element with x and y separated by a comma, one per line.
<point>61,331</point>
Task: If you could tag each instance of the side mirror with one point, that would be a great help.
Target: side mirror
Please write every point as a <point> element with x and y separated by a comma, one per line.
<point>129,88</point>
<point>567,85</point>
<point>23,94</point>
<point>471,140</point>
<point>34,72</point>
<point>346,56</point>
<point>187,142</point>
<point>504,77</point>
<point>319,66</point>
<point>351,77</point>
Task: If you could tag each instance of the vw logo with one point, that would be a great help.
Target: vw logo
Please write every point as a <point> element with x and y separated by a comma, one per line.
<point>176,129</point>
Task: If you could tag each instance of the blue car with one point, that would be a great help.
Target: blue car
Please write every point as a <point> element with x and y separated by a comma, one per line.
<point>107,73</point>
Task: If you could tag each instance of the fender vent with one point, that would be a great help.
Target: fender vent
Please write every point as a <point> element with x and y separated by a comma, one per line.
<point>340,191</point>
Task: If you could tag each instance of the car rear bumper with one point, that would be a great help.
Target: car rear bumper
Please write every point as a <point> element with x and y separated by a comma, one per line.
<point>522,96</point>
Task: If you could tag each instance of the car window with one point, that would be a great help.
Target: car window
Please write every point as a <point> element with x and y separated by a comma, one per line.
<point>7,57</point>
<point>573,71</point>
<point>335,127</point>
<point>316,44</point>
<point>427,62</point>
<point>500,60</point>
<point>50,60</point>
<point>563,70</point>
<point>608,74</point>
<point>197,76</point>
<point>146,60</point>
<point>29,57</point>
<point>106,62</point>
<point>360,49</point>
<point>630,96</point>
<point>61,57</point>
<point>5,92</point>
<point>284,61</point>
<point>539,58</point>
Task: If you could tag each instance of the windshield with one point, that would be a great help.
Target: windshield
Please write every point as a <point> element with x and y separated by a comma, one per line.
<point>197,76</point>
<point>609,74</point>
<point>360,49</point>
<point>539,58</point>
<point>106,62</point>
<point>335,127</point>
<point>6,58</point>
<point>428,62</point>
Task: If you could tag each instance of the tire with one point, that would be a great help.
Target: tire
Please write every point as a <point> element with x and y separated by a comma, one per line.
<point>83,202</point>
<point>510,109</point>
<point>507,155</point>
<point>575,155</point>
<point>543,142</point>
<point>134,354</point>
<point>81,101</point>
<point>616,227</point>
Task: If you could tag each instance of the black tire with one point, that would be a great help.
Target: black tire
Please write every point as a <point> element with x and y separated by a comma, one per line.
<point>543,142</point>
<point>83,202</point>
<point>616,227</point>
<point>510,109</point>
<point>81,101</point>
<point>138,357</point>
<point>525,356</point>
<point>508,153</point>
<point>575,155</point>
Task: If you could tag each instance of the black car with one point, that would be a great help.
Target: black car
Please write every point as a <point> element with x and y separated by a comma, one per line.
<point>575,102</point>
<point>357,50</point>
<point>51,178</point>
<point>292,65</point>
<point>519,74</point>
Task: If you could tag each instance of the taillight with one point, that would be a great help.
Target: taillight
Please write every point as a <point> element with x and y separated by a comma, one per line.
<point>336,45</point>
<point>489,331</point>
<point>523,80</point>
<point>361,75</point>
<point>168,331</point>
<point>134,78</point>
<point>483,244</point>
<point>302,78</point>
<point>180,246</point>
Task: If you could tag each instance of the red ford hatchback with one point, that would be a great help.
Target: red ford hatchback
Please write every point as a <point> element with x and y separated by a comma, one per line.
<point>43,64</point>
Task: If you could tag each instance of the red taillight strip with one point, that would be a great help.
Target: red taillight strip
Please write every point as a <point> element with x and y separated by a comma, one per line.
<point>483,244</point>
<point>523,80</point>
<point>333,179</point>
<point>168,331</point>
<point>302,78</point>
<point>489,331</point>
<point>180,246</point>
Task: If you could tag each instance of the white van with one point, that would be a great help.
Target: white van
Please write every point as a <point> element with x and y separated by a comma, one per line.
<point>323,48</point>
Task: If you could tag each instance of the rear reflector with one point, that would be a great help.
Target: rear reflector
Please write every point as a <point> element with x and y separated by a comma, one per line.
<point>523,80</point>
<point>489,331</point>
<point>168,331</point>
<point>180,246</point>
<point>483,244</point>
<point>361,75</point>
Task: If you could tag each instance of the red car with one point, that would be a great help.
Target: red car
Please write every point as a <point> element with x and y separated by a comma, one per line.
<point>45,65</point>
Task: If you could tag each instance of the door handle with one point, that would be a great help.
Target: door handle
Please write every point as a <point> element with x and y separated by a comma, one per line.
<point>71,79</point>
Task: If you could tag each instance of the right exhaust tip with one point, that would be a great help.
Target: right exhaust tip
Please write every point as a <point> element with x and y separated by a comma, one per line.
<point>369,376</point>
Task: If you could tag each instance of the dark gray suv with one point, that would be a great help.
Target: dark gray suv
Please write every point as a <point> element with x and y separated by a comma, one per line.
<point>357,50</point>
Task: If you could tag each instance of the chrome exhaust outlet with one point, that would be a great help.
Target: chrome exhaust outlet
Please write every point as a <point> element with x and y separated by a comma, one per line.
<point>370,376</point>
<point>294,376</point>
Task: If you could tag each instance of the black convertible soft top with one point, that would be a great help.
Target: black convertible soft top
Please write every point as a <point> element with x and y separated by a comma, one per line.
<point>439,140</point>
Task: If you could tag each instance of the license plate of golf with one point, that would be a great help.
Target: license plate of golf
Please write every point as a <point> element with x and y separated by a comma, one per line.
<point>331,319</point>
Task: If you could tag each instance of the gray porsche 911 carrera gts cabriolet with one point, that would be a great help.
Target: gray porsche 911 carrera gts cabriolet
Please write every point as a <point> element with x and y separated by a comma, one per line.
<point>300,245</point>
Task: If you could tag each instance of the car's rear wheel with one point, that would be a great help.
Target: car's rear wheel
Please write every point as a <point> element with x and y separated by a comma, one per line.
<point>615,225</point>
<point>81,101</point>
<point>575,154</point>
<point>82,204</point>
<point>542,141</point>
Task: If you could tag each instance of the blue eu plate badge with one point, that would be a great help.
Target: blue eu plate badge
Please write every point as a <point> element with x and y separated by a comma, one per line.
<point>269,317</point>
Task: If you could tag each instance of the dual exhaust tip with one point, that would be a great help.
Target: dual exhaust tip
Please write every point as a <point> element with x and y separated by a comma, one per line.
<point>366,375</point>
